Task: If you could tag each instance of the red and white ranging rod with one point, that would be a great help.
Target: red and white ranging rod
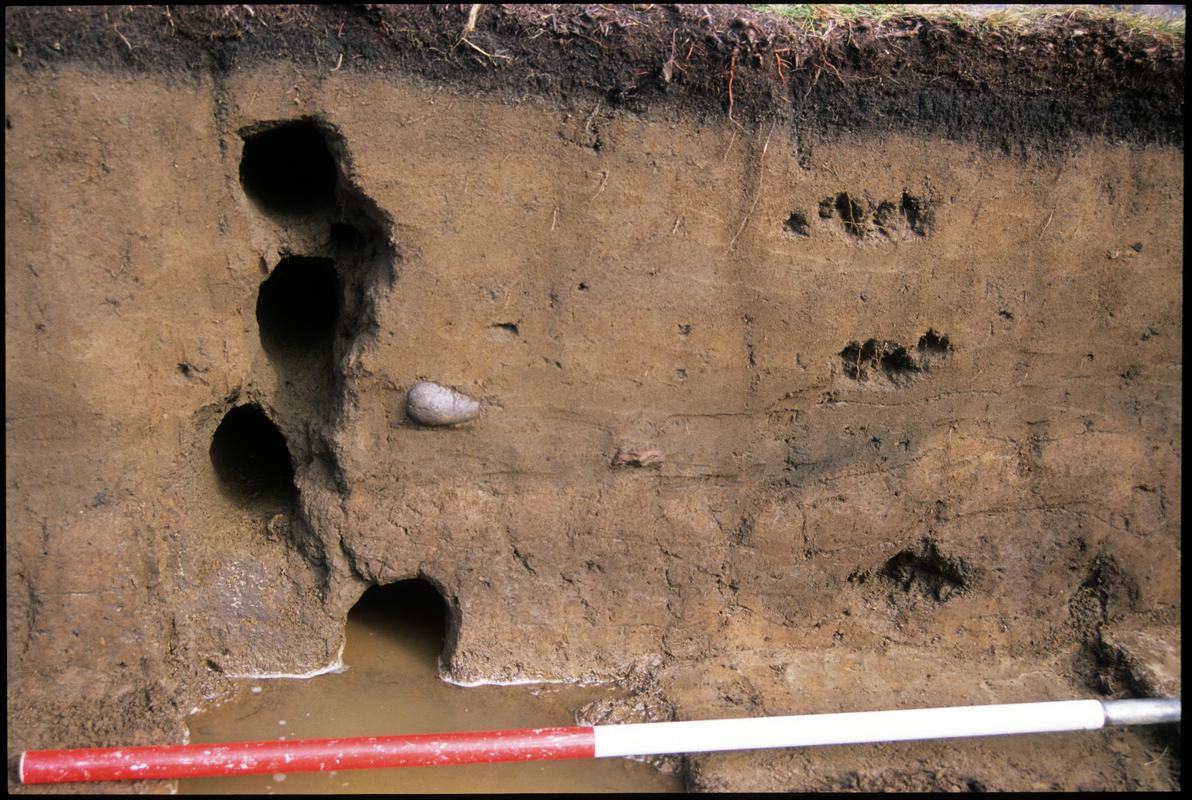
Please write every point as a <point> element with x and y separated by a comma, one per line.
<point>601,741</point>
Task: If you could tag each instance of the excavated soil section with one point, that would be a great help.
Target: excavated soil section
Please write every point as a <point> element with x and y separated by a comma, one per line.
<point>819,371</point>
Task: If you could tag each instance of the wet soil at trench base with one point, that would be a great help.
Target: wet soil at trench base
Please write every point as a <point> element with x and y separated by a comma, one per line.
<point>390,687</point>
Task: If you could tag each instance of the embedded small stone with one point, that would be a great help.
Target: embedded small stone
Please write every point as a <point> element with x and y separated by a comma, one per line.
<point>431,404</point>
<point>638,457</point>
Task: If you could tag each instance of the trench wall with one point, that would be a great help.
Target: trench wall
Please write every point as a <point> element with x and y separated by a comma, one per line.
<point>898,418</point>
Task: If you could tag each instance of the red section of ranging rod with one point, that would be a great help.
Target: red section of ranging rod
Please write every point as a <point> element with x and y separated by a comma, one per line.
<point>304,755</point>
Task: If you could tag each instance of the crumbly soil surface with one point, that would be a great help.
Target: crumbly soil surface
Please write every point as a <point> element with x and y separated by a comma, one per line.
<point>1074,75</point>
<point>819,371</point>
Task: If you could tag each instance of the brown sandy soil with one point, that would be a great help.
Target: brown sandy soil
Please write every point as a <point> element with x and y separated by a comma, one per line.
<point>867,396</point>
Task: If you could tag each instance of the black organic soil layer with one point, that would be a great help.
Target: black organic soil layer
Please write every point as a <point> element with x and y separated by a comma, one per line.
<point>1045,86</point>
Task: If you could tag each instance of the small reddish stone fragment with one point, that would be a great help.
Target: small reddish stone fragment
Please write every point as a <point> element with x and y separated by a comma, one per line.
<point>638,457</point>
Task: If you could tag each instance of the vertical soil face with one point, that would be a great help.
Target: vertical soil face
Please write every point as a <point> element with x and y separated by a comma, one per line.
<point>772,421</point>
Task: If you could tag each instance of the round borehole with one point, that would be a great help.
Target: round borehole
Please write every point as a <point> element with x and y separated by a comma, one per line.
<point>251,459</point>
<point>289,169</point>
<point>411,614</point>
<point>297,306</point>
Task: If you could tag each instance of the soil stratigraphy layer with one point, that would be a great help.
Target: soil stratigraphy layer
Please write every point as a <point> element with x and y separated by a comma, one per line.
<point>775,419</point>
<point>1073,75</point>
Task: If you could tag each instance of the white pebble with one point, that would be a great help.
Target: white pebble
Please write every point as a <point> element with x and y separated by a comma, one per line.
<point>431,404</point>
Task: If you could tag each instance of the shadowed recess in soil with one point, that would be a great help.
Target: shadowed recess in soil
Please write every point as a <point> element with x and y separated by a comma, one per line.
<point>919,570</point>
<point>864,218</point>
<point>925,569</point>
<point>252,461</point>
<point>1106,591</point>
<point>298,306</point>
<point>411,609</point>
<point>884,362</point>
<point>288,169</point>
<point>797,224</point>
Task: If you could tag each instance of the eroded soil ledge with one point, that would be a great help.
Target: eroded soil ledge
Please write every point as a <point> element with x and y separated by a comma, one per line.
<point>861,390</point>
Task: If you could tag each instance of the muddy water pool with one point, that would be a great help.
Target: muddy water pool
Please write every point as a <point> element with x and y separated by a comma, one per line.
<point>390,687</point>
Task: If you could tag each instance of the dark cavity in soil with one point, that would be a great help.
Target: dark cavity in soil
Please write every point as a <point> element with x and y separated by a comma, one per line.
<point>892,363</point>
<point>289,169</point>
<point>933,348</point>
<point>918,212</point>
<point>864,218</point>
<point>345,235</point>
<point>252,461</point>
<point>926,570</point>
<point>888,359</point>
<point>797,224</point>
<point>298,306</point>
<point>411,610</point>
<point>852,214</point>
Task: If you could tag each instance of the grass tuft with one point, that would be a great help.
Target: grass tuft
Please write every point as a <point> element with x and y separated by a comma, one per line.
<point>816,17</point>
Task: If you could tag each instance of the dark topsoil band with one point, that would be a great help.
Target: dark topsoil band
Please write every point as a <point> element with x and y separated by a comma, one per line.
<point>1070,77</point>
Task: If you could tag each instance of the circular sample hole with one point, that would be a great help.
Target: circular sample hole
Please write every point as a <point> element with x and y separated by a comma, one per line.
<point>412,612</point>
<point>251,459</point>
<point>297,307</point>
<point>289,169</point>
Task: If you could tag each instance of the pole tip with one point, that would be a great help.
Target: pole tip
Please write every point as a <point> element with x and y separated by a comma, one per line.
<point>1146,711</point>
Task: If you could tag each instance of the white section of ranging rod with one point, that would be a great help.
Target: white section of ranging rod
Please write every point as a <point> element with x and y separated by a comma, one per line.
<point>701,736</point>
